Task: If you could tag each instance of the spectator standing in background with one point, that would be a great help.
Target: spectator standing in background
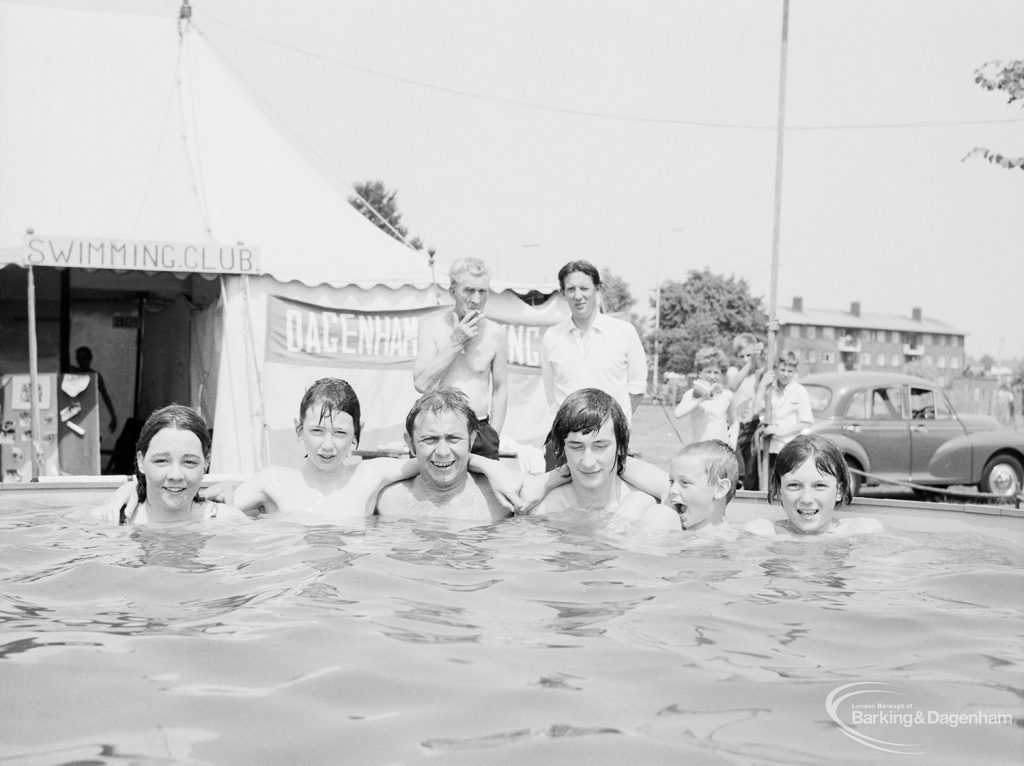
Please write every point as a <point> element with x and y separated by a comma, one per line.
<point>590,349</point>
<point>790,406</point>
<point>465,350</point>
<point>744,381</point>
<point>83,359</point>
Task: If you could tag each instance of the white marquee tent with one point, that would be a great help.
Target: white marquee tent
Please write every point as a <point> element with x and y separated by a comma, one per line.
<point>118,127</point>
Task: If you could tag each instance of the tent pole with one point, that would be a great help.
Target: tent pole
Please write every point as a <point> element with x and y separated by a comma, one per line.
<point>262,448</point>
<point>773,293</point>
<point>65,319</point>
<point>33,376</point>
<point>139,330</point>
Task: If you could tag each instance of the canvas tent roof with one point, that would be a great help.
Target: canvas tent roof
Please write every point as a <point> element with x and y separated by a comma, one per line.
<point>114,128</point>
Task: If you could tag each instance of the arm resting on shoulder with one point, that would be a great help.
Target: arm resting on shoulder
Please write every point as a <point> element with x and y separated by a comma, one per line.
<point>536,488</point>
<point>645,477</point>
<point>505,483</point>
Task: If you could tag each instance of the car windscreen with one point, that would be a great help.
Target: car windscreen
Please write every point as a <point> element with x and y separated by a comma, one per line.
<point>821,396</point>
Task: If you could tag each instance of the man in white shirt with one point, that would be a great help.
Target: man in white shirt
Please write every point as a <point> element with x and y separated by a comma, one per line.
<point>590,349</point>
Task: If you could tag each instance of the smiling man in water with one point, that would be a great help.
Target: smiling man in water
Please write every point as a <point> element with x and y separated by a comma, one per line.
<point>590,437</point>
<point>440,429</point>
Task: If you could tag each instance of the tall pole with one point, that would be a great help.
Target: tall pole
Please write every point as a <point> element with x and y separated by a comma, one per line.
<point>657,333</point>
<point>780,141</point>
<point>773,292</point>
<point>33,380</point>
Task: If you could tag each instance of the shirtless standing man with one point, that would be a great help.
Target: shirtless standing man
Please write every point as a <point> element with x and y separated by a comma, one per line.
<point>440,430</point>
<point>465,350</point>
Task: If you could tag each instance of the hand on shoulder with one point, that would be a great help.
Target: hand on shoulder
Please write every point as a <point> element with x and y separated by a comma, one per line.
<point>222,512</point>
<point>640,512</point>
<point>761,528</point>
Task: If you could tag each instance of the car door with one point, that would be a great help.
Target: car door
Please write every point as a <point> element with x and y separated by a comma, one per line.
<point>933,423</point>
<point>875,418</point>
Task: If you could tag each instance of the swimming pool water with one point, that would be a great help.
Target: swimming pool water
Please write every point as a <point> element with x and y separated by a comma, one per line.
<point>412,642</point>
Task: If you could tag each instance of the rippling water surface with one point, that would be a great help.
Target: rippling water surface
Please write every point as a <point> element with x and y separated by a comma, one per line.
<point>521,643</point>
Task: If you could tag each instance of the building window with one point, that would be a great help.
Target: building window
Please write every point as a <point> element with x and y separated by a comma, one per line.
<point>895,360</point>
<point>812,356</point>
<point>794,331</point>
<point>928,361</point>
<point>941,362</point>
<point>954,363</point>
<point>865,358</point>
<point>881,359</point>
<point>828,332</point>
<point>827,357</point>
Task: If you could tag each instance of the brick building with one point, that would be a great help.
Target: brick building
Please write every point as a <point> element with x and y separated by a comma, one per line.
<point>829,340</point>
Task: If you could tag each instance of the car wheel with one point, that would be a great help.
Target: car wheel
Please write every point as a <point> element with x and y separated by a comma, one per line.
<point>1003,475</point>
<point>856,480</point>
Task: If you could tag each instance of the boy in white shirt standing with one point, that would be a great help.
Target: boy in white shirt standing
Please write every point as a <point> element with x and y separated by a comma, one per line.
<point>790,408</point>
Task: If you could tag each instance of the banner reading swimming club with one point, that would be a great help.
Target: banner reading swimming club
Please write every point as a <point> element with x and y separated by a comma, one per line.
<point>307,334</point>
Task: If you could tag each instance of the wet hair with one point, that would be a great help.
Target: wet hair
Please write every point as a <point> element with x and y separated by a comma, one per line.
<point>827,459</point>
<point>584,267</point>
<point>175,416</point>
<point>585,411</point>
<point>709,356</point>
<point>333,395</point>
<point>472,266</point>
<point>788,358</point>
<point>443,400</point>
<point>719,462</point>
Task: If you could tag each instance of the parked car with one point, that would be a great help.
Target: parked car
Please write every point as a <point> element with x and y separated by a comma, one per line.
<point>902,427</point>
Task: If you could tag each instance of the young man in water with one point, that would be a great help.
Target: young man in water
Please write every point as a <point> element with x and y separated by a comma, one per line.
<point>590,436</point>
<point>440,430</point>
<point>465,350</point>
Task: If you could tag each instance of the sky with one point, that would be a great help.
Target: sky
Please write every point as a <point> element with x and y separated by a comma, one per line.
<point>641,136</point>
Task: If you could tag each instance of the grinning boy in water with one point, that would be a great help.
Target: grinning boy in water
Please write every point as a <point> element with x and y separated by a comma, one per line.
<point>703,478</point>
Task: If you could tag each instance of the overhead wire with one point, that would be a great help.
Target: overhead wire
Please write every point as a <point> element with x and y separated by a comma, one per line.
<point>298,137</point>
<point>696,144</point>
<point>642,119</point>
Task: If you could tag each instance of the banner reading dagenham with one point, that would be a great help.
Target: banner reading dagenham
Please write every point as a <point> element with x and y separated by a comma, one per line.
<point>374,352</point>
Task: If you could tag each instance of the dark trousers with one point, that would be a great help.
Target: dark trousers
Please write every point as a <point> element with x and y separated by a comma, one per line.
<point>486,442</point>
<point>746,454</point>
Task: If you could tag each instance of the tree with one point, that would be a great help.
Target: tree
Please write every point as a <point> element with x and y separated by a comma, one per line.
<point>617,298</point>
<point>616,295</point>
<point>1007,77</point>
<point>705,310</point>
<point>376,202</point>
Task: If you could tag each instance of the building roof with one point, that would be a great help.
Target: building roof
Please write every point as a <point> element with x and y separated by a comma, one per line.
<point>865,321</point>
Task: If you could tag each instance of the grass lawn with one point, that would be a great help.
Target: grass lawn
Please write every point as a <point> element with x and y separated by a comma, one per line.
<point>652,437</point>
